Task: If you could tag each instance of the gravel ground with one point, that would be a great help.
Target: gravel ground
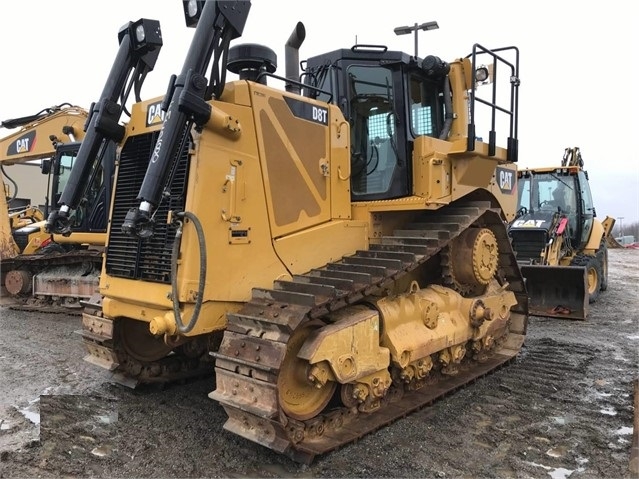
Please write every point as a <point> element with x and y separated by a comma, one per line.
<point>563,409</point>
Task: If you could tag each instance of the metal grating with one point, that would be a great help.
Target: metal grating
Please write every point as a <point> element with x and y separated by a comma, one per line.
<point>148,260</point>
<point>528,245</point>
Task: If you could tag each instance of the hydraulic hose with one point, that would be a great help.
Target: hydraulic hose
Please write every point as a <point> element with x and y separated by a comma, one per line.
<point>202,279</point>
<point>15,185</point>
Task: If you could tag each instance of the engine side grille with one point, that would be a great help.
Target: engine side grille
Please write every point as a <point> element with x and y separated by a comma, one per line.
<point>528,244</point>
<point>149,260</point>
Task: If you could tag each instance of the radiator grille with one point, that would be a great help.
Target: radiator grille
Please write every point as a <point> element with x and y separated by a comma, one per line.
<point>528,245</point>
<point>148,260</point>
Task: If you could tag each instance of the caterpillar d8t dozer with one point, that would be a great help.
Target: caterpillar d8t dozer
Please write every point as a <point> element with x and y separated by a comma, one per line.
<point>54,271</point>
<point>561,247</point>
<point>336,248</point>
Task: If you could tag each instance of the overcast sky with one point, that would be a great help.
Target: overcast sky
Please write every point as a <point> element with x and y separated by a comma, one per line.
<point>577,63</point>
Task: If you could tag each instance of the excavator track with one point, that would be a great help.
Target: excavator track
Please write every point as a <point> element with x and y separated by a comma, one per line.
<point>253,351</point>
<point>51,283</point>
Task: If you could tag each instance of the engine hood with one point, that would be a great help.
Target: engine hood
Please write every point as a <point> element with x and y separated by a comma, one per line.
<point>539,220</point>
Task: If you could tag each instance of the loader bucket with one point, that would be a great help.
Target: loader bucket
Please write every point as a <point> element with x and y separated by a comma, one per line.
<point>557,291</point>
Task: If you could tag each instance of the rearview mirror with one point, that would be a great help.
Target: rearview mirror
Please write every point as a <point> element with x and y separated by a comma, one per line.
<point>45,166</point>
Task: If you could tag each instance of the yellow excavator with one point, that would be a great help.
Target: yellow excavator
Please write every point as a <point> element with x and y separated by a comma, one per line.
<point>52,139</point>
<point>46,138</point>
<point>54,271</point>
<point>561,246</point>
<point>336,244</point>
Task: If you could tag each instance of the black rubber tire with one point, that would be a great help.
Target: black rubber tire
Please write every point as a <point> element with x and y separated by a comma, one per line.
<point>602,256</point>
<point>594,268</point>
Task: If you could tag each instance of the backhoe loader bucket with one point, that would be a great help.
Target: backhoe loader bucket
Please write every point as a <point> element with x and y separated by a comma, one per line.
<point>557,291</point>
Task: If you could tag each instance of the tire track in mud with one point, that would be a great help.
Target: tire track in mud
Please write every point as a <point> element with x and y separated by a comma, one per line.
<point>559,398</point>
<point>562,409</point>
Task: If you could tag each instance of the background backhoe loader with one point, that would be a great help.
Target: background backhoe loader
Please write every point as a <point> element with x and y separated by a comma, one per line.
<point>561,246</point>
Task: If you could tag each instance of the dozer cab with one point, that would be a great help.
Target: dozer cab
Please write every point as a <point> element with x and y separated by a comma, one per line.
<point>561,247</point>
<point>333,241</point>
<point>54,271</point>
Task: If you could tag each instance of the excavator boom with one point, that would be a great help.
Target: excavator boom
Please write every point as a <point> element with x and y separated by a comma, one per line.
<point>38,134</point>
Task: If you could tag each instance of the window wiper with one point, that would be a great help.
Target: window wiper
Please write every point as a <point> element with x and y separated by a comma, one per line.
<point>559,179</point>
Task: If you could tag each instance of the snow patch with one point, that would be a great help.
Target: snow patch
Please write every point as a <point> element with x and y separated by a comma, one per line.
<point>31,411</point>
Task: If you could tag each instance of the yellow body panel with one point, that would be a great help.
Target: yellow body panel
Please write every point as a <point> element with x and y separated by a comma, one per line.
<point>246,183</point>
<point>84,238</point>
<point>321,244</point>
<point>596,235</point>
<point>8,247</point>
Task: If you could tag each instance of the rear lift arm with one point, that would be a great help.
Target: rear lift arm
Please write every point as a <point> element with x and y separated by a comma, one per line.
<point>140,44</point>
<point>217,23</point>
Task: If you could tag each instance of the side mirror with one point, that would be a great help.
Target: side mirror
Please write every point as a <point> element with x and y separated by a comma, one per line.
<point>45,166</point>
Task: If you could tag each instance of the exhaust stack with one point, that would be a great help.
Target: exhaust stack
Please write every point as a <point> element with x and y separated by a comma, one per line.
<point>292,57</point>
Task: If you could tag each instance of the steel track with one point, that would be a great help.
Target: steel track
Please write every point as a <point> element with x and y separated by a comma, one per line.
<point>36,263</point>
<point>254,345</point>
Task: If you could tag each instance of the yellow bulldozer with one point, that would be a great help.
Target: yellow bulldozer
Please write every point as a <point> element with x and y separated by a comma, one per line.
<point>333,241</point>
<point>561,246</point>
<point>54,271</point>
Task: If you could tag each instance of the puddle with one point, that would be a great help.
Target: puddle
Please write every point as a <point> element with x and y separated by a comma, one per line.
<point>32,411</point>
<point>558,472</point>
<point>622,431</point>
<point>608,411</point>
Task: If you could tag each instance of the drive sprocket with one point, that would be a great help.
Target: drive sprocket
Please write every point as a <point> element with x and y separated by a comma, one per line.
<point>470,261</point>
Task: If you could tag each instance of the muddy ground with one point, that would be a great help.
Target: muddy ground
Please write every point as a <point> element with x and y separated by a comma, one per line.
<point>564,408</point>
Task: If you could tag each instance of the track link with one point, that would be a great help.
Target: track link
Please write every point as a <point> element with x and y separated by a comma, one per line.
<point>250,358</point>
<point>101,338</point>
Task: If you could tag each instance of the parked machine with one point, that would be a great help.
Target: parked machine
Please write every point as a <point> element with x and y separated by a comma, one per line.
<point>560,245</point>
<point>52,138</point>
<point>338,246</point>
<point>55,272</point>
<point>38,141</point>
